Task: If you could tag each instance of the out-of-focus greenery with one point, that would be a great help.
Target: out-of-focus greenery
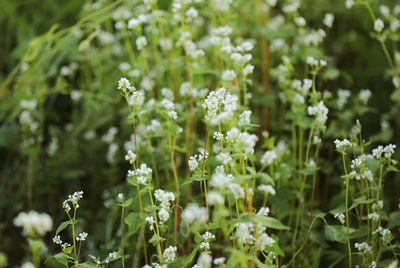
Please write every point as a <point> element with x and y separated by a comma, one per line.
<point>77,108</point>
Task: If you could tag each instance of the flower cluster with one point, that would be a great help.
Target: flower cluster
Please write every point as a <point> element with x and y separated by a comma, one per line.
<point>33,223</point>
<point>164,198</point>
<point>142,174</point>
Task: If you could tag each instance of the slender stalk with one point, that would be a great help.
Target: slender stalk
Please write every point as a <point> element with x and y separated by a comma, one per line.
<point>347,209</point>
<point>122,236</point>
<point>204,162</point>
<point>312,200</point>
<point>172,154</point>
<point>383,45</point>
<point>157,229</point>
<point>73,234</point>
<point>134,130</point>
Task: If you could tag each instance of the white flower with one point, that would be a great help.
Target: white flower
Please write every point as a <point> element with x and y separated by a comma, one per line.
<point>163,214</point>
<point>82,237</point>
<point>340,217</point>
<point>142,174</point>
<point>248,69</point>
<point>267,189</point>
<point>237,190</point>
<point>212,102</point>
<point>192,13</point>
<point>170,107</point>
<point>27,265</point>
<point>194,214</point>
<point>389,150</point>
<point>57,240</point>
<point>268,157</point>
<point>39,223</point>
<point>220,180</point>
<point>320,111</point>
<point>244,232</point>
<point>228,75</point>
<point>111,256</point>
<point>363,247</point>
<point>218,136</point>
<point>373,216</point>
<point>349,3</point>
<point>244,118</point>
<point>110,135</point>
<point>124,67</point>
<point>385,233</point>
<point>221,260</point>
<point>225,158</point>
<point>367,174</point>
<point>193,164</point>
<point>215,198</point>
<point>264,211</point>
<point>204,261</point>
<point>264,240</point>
<point>341,145</point>
<point>133,23</point>
<point>130,156</point>
<point>395,25</point>
<point>205,245</point>
<point>208,236</point>
<point>164,197</point>
<point>249,141</point>
<point>364,96</point>
<point>150,220</point>
<point>141,42</point>
<point>328,19</point>
<point>170,254</point>
<point>378,25</point>
<point>315,62</point>
<point>136,98</point>
<point>65,245</point>
<point>66,206</point>
<point>300,21</point>
<point>124,84</point>
<point>112,150</point>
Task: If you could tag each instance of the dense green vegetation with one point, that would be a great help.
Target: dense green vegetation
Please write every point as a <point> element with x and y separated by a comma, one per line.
<point>213,133</point>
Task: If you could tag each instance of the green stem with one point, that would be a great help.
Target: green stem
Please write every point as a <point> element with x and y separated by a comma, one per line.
<point>73,234</point>
<point>122,236</point>
<point>347,209</point>
<point>156,223</point>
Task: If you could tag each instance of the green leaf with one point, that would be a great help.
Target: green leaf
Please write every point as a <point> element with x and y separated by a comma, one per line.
<point>394,219</point>
<point>361,200</point>
<point>184,228</point>
<point>60,258</point>
<point>68,250</point>
<point>190,258</point>
<point>134,220</point>
<point>127,202</point>
<point>337,233</point>
<point>64,225</point>
<point>270,222</point>
<point>265,178</point>
<point>195,177</point>
<point>275,247</point>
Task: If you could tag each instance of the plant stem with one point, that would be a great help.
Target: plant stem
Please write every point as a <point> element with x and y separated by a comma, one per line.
<point>157,229</point>
<point>73,234</point>
<point>122,236</point>
<point>202,169</point>
<point>347,209</point>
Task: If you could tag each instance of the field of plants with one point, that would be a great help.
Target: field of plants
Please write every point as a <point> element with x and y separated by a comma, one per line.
<point>199,133</point>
